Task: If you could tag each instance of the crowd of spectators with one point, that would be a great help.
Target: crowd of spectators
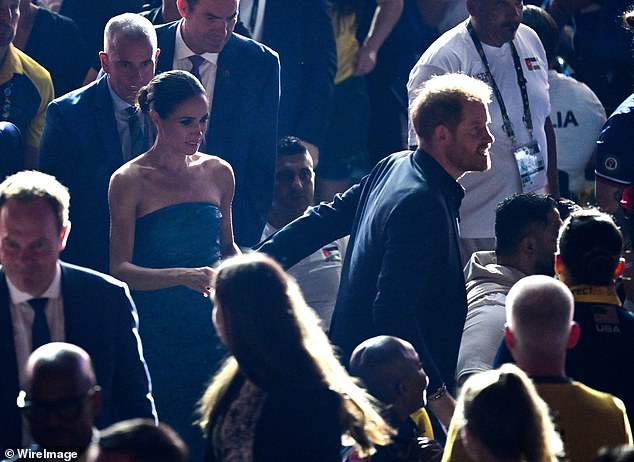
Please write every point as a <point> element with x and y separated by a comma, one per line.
<point>300,230</point>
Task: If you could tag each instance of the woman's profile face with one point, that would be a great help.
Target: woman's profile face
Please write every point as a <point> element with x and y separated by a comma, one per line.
<point>184,128</point>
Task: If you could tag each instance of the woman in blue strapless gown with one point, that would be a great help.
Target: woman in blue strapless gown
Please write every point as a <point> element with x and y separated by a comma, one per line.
<point>170,223</point>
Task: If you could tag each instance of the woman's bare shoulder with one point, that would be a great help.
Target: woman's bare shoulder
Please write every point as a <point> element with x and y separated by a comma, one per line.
<point>215,163</point>
<point>128,176</point>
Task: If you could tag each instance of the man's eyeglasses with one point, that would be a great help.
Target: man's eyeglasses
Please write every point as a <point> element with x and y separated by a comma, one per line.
<point>67,409</point>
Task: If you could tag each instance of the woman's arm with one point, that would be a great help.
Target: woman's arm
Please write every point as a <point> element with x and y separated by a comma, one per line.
<point>123,196</point>
<point>226,182</point>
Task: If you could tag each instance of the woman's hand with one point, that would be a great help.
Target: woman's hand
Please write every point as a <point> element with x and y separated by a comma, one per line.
<point>198,279</point>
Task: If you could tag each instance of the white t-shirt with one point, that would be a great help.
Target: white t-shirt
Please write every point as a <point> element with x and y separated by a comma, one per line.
<point>454,51</point>
<point>577,115</point>
<point>318,275</point>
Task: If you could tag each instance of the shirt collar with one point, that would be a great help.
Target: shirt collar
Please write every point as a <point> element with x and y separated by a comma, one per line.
<point>12,65</point>
<point>595,294</point>
<point>182,51</point>
<point>118,103</point>
<point>54,290</point>
<point>434,171</point>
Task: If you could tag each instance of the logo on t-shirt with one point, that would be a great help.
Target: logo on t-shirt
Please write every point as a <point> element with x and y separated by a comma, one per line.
<point>532,64</point>
<point>611,164</point>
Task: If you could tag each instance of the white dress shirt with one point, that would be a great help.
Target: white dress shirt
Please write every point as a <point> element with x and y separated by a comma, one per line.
<point>22,316</point>
<point>207,69</point>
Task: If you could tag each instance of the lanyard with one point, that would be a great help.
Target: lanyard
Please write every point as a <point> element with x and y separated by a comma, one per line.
<point>507,125</point>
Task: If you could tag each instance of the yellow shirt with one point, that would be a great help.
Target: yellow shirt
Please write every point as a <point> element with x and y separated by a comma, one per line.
<point>347,44</point>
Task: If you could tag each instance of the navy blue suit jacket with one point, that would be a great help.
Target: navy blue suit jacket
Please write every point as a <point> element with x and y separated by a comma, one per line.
<point>243,124</point>
<point>100,317</point>
<point>402,273</point>
<point>81,147</point>
<point>302,34</point>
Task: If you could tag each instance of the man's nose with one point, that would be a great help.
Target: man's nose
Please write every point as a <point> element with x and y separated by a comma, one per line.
<point>297,182</point>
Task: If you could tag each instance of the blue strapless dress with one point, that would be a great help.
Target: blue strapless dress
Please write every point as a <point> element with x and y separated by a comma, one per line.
<point>180,345</point>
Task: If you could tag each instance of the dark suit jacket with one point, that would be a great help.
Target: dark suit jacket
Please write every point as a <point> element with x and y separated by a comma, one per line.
<point>81,147</point>
<point>243,124</point>
<point>402,274</point>
<point>302,34</point>
<point>100,317</point>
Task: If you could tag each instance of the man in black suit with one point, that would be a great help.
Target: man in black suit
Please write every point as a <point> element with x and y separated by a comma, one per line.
<point>402,274</point>
<point>44,300</point>
<point>242,80</point>
<point>90,132</point>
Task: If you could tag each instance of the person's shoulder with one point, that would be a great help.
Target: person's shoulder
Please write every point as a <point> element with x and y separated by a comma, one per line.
<point>163,30</point>
<point>250,48</point>
<point>90,278</point>
<point>523,31</point>
<point>625,109</point>
<point>455,36</point>
<point>56,20</point>
<point>316,397</point>
<point>80,95</point>
<point>127,177</point>
<point>210,161</point>
<point>447,53</point>
<point>598,401</point>
<point>34,70</point>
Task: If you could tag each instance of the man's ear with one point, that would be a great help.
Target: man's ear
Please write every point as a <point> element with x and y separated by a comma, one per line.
<point>103,58</point>
<point>95,401</point>
<point>559,264</point>
<point>573,337</point>
<point>619,268</point>
<point>63,236</point>
<point>471,8</point>
<point>182,7</point>
<point>508,337</point>
<point>528,245</point>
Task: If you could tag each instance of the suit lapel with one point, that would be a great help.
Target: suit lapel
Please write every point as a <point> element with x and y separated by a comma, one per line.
<point>73,310</point>
<point>167,43</point>
<point>106,124</point>
<point>10,425</point>
<point>226,90</point>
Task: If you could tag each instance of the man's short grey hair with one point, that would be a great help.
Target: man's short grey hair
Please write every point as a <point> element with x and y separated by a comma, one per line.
<point>132,26</point>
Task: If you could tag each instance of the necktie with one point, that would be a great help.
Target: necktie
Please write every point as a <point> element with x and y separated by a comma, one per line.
<point>137,138</point>
<point>254,16</point>
<point>40,333</point>
<point>196,61</point>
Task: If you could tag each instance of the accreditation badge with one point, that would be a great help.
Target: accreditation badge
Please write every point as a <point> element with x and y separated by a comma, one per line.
<point>530,163</point>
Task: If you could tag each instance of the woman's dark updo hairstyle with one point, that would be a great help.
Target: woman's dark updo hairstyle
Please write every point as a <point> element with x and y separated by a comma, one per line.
<point>167,90</point>
<point>590,245</point>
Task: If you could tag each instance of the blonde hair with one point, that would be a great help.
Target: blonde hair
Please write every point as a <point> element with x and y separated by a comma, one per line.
<point>28,185</point>
<point>502,409</point>
<point>275,338</point>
